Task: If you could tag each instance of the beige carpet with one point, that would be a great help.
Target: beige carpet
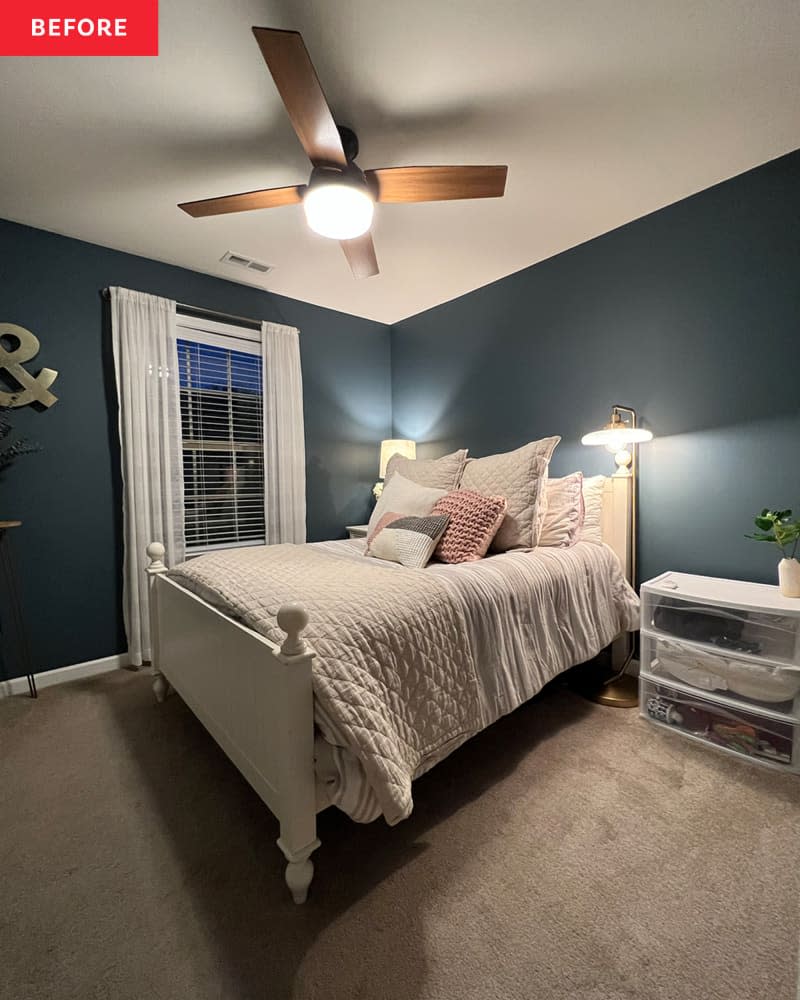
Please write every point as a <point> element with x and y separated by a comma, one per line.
<point>569,852</point>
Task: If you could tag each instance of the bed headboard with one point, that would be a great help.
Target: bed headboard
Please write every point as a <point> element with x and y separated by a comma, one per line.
<point>615,523</point>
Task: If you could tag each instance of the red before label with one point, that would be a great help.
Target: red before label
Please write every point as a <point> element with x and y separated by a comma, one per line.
<point>78,27</point>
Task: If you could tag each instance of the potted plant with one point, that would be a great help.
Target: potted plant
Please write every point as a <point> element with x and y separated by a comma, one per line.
<point>778,527</point>
<point>9,453</point>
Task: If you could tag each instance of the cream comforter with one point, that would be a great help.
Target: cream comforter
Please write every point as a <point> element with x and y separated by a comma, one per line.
<point>411,663</point>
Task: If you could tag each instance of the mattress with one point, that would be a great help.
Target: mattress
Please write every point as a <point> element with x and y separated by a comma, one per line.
<point>411,663</point>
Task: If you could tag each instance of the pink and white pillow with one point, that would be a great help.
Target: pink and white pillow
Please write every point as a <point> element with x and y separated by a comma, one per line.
<point>563,519</point>
<point>474,521</point>
<point>592,530</point>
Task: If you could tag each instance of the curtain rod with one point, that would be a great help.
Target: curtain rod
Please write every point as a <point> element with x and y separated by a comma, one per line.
<point>185,308</point>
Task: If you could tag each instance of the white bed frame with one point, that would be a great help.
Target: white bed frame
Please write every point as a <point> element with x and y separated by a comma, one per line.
<point>255,697</point>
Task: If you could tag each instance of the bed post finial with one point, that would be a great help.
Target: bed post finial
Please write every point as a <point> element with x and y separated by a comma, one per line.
<point>292,618</point>
<point>155,553</point>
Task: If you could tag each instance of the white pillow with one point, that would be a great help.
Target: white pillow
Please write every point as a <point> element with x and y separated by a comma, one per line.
<point>401,496</point>
<point>563,518</point>
<point>592,509</point>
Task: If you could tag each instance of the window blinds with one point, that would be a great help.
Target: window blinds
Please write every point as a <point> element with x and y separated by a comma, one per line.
<point>221,390</point>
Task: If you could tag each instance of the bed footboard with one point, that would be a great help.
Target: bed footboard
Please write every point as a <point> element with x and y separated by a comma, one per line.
<point>254,697</point>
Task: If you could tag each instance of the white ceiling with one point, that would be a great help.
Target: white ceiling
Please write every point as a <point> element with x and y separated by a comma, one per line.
<point>603,111</point>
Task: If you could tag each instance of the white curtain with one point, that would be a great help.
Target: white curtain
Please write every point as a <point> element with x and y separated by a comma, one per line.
<point>284,436</point>
<point>146,365</point>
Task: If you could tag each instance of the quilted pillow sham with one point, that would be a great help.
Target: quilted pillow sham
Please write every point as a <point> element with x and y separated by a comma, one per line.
<point>593,509</point>
<point>519,476</point>
<point>404,497</point>
<point>409,541</point>
<point>563,517</point>
<point>474,520</point>
<point>439,473</point>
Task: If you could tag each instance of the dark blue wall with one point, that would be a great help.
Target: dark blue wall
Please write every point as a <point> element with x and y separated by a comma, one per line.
<point>69,548</point>
<point>691,315</point>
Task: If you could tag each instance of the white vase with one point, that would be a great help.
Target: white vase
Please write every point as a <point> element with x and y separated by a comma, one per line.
<point>789,577</point>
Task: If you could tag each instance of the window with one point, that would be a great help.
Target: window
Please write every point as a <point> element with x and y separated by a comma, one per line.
<point>221,392</point>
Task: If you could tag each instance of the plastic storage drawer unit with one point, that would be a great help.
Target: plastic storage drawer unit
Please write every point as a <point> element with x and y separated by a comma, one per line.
<point>720,663</point>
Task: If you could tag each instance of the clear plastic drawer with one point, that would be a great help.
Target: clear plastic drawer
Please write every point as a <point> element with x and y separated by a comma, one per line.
<point>765,685</point>
<point>770,636</point>
<point>760,738</point>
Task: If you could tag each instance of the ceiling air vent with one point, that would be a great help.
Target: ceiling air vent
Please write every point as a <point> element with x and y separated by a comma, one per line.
<point>245,263</point>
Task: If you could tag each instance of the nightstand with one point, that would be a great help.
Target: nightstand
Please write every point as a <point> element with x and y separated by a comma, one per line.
<point>356,530</point>
<point>720,665</point>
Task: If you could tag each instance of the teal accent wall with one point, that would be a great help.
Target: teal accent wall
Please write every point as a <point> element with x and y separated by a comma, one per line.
<point>69,550</point>
<point>691,315</point>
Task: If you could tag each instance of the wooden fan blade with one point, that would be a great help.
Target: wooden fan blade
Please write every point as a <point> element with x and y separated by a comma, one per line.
<point>405,184</point>
<point>289,63</point>
<point>360,254</point>
<point>247,202</point>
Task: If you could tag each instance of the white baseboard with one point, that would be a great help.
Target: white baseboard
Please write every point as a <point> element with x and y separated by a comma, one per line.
<point>19,685</point>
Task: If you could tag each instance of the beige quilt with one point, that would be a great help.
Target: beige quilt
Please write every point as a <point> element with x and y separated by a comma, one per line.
<point>395,679</point>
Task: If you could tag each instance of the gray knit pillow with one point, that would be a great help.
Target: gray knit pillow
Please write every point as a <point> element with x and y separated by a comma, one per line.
<point>409,541</point>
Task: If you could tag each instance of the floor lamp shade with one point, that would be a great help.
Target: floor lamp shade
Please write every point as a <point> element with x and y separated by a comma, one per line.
<point>617,436</point>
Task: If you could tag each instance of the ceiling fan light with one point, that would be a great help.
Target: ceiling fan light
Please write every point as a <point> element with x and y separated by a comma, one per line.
<point>338,210</point>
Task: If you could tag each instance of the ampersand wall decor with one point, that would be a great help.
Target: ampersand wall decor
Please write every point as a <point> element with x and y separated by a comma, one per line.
<point>33,389</point>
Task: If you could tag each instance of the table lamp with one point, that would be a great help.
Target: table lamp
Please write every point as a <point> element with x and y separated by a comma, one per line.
<point>389,448</point>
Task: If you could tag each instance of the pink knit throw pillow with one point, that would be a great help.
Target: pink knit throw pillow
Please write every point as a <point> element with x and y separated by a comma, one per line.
<point>474,520</point>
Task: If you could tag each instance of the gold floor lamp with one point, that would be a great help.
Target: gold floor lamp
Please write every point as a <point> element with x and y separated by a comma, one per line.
<point>622,437</point>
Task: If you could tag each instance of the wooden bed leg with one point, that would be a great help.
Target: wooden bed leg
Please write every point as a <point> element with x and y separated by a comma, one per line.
<point>299,870</point>
<point>160,686</point>
<point>155,568</point>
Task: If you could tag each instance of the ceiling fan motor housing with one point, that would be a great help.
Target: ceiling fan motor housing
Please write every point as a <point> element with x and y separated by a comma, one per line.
<point>351,175</point>
<point>349,142</point>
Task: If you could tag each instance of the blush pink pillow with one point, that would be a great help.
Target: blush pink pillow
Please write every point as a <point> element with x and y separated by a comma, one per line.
<point>564,517</point>
<point>474,521</point>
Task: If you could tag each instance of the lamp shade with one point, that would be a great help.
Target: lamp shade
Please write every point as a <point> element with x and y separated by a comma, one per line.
<point>617,436</point>
<point>396,446</point>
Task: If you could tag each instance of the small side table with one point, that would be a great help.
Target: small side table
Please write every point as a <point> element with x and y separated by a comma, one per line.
<point>8,571</point>
<point>356,530</point>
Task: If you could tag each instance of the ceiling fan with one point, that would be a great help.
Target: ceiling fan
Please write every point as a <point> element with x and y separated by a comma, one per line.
<point>339,199</point>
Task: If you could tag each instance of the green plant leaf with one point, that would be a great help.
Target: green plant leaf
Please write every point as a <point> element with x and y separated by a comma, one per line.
<point>778,527</point>
<point>786,533</point>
